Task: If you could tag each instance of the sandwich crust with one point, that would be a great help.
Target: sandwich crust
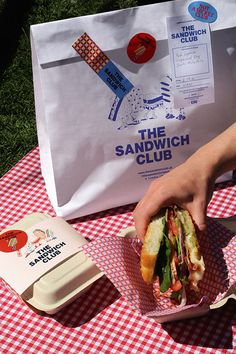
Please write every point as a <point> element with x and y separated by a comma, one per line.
<point>151,246</point>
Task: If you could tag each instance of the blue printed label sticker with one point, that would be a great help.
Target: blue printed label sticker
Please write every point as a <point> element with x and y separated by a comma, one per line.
<point>202,11</point>
<point>115,80</point>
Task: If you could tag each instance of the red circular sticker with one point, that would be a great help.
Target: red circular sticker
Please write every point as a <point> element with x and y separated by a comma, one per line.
<point>141,48</point>
<point>12,240</point>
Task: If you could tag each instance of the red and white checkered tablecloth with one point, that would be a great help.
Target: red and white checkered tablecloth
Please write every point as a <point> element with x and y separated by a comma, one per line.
<point>100,321</point>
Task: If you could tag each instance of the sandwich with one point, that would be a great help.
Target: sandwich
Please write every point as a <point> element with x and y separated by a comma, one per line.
<point>171,254</point>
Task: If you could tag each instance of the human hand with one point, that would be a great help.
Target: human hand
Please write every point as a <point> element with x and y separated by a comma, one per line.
<point>189,186</point>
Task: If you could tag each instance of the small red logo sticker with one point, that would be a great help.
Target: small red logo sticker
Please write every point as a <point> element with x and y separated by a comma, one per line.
<point>141,48</point>
<point>13,240</point>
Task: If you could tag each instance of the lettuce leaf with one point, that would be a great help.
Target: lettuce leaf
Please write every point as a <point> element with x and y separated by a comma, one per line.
<point>177,246</point>
<point>163,265</point>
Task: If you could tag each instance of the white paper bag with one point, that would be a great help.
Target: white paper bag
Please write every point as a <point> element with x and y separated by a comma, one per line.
<point>98,151</point>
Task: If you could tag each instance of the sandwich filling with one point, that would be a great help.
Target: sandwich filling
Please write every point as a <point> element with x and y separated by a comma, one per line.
<point>176,260</point>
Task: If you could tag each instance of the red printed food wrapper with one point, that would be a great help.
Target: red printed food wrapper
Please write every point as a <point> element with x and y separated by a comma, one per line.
<point>118,258</point>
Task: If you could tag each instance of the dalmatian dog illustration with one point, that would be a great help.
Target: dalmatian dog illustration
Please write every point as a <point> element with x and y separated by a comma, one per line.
<point>137,106</point>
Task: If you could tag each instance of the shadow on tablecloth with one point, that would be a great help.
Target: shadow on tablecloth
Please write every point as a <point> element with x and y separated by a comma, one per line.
<point>101,295</point>
<point>213,330</point>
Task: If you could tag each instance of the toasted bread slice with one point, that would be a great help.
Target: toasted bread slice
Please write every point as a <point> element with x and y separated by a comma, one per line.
<point>151,246</point>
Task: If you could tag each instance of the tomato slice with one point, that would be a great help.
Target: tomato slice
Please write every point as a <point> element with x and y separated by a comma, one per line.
<point>172,224</point>
<point>176,286</point>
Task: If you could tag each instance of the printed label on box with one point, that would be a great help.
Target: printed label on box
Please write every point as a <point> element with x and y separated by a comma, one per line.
<point>26,256</point>
<point>191,61</point>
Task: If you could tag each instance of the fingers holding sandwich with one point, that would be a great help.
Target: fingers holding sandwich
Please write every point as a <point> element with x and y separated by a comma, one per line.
<point>148,206</point>
<point>162,192</point>
<point>184,186</point>
<point>153,202</point>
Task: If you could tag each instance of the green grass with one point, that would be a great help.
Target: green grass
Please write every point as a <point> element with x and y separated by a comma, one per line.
<point>17,115</point>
